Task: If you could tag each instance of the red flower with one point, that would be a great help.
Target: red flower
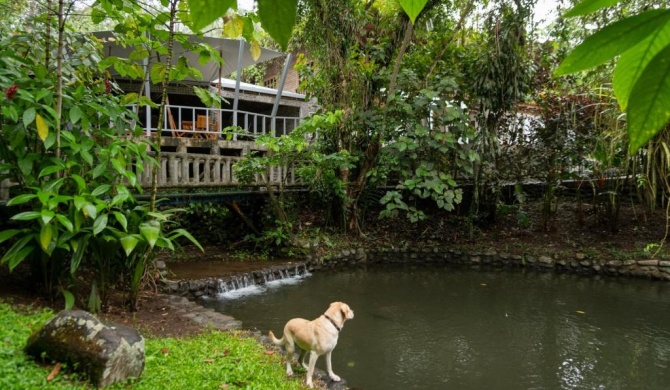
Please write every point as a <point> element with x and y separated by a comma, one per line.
<point>11,91</point>
<point>108,86</point>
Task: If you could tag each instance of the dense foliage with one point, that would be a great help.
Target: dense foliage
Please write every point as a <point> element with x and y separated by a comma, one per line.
<point>417,97</point>
<point>71,148</point>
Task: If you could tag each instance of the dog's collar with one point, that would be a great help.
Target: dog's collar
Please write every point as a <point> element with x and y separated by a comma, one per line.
<point>332,322</point>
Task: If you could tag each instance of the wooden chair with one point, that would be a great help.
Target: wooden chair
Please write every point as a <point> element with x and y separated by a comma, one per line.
<point>210,131</point>
<point>200,125</point>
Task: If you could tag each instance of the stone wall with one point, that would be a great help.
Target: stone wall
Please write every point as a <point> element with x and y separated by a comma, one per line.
<point>578,263</point>
<point>193,289</point>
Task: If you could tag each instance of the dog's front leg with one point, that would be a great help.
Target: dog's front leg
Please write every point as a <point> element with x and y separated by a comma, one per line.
<point>330,368</point>
<point>310,370</point>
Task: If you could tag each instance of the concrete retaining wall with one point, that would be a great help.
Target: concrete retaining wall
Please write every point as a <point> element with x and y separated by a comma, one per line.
<point>578,263</point>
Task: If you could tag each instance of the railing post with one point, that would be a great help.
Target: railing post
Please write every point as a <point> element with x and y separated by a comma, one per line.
<point>216,175</point>
<point>238,73</point>
<point>280,89</point>
<point>196,170</point>
<point>208,171</point>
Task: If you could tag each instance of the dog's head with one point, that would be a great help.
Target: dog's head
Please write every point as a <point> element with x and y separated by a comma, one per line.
<point>342,308</point>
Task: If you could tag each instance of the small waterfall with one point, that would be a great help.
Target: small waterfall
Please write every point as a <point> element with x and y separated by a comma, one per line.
<point>235,282</point>
<point>258,281</point>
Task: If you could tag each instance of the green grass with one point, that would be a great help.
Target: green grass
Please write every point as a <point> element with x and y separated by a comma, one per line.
<point>212,360</point>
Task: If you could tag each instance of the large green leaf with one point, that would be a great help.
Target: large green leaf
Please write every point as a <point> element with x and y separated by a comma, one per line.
<point>19,256</point>
<point>79,250</point>
<point>15,249</point>
<point>613,40</point>
<point>129,243</point>
<point>100,223</point>
<point>65,222</point>
<point>184,233</point>
<point>278,18</point>
<point>150,233</point>
<point>157,73</point>
<point>47,215</point>
<point>69,299</point>
<point>413,8</point>
<point>7,234</point>
<point>50,170</point>
<point>588,6</point>
<point>90,211</point>
<point>27,216</point>
<point>649,103</point>
<point>21,199</point>
<point>632,63</point>
<point>121,219</point>
<point>204,12</point>
<point>46,235</point>
<point>101,189</point>
<point>29,116</point>
<point>75,114</point>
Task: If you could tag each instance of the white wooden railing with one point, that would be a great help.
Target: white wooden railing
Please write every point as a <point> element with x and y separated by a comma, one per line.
<point>201,122</point>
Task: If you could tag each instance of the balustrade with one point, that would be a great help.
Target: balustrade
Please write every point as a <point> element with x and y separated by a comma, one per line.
<point>188,170</point>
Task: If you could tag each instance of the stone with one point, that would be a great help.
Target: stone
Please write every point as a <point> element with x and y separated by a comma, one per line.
<point>580,256</point>
<point>545,260</point>
<point>160,264</point>
<point>664,263</point>
<point>614,263</point>
<point>646,263</point>
<point>172,286</point>
<point>641,272</point>
<point>106,352</point>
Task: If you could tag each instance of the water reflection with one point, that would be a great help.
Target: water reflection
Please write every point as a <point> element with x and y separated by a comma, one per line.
<point>463,329</point>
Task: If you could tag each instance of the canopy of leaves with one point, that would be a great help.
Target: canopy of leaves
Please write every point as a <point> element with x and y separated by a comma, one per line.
<point>642,76</point>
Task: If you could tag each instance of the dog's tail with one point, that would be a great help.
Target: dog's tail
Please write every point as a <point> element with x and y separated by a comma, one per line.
<point>275,340</point>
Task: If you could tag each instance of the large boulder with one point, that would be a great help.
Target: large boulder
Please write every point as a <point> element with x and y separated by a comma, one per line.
<point>107,353</point>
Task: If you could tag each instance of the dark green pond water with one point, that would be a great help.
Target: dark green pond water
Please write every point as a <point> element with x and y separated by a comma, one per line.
<point>455,328</point>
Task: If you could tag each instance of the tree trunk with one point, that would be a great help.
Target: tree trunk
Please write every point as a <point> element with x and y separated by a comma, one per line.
<point>161,113</point>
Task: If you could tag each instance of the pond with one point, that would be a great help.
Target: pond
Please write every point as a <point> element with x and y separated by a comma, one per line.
<point>451,327</point>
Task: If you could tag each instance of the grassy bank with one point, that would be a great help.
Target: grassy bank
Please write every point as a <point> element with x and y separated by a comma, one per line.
<point>212,360</point>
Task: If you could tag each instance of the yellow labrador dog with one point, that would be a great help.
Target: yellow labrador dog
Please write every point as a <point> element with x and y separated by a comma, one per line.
<point>317,337</point>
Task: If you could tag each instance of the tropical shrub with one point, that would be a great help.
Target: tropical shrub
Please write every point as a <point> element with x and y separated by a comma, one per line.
<point>75,159</point>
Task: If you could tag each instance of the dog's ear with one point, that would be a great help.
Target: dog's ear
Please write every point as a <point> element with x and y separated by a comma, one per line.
<point>345,311</point>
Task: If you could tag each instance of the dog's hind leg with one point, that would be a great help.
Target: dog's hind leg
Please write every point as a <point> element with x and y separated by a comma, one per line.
<point>329,368</point>
<point>289,344</point>
<point>301,359</point>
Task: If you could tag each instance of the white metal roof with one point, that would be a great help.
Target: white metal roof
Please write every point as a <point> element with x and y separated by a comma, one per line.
<point>229,83</point>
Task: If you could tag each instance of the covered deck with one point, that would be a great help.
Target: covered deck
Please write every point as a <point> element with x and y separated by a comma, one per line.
<point>186,116</point>
<point>199,144</point>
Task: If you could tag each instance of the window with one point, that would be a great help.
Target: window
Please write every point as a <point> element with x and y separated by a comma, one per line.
<point>271,82</point>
